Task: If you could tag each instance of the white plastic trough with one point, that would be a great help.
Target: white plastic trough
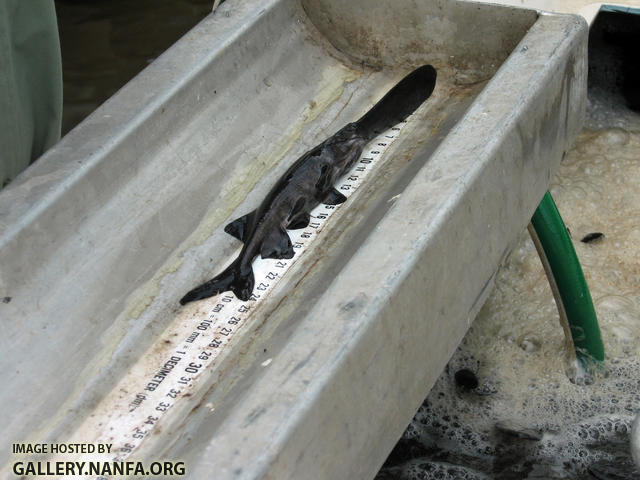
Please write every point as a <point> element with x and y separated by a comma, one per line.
<point>102,236</point>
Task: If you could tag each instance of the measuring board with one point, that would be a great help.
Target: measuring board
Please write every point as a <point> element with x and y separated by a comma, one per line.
<point>124,420</point>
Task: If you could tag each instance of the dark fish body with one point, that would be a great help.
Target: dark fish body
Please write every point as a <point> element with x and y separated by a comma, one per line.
<point>308,182</point>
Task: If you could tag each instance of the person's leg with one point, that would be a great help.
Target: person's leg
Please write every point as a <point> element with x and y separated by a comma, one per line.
<point>30,83</point>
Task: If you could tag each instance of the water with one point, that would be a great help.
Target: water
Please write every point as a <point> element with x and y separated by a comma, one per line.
<point>526,419</point>
<point>105,43</point>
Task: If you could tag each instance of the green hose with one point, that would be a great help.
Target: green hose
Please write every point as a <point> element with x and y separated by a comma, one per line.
<point>567,281</point>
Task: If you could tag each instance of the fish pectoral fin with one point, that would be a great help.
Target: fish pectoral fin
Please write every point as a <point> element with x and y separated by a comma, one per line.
<point>299,221</point>
<point>277,245</point>
<point>238,228</point>
<point>334,197</point>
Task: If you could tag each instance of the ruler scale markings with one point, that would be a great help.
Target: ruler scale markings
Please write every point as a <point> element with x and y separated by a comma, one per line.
<point>152,389</point>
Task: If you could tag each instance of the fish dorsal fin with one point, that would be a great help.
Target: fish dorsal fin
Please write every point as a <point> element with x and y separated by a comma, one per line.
<point>277,244</point>
<point>238,228</point>
<point>334,197</point>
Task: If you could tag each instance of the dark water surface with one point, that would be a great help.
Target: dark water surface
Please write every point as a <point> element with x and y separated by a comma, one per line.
<point>105,43</point>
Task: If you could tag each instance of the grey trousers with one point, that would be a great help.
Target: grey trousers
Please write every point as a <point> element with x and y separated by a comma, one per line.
<point>30,83</point>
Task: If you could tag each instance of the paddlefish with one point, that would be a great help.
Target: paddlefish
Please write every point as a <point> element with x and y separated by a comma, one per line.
<point>308,182</point>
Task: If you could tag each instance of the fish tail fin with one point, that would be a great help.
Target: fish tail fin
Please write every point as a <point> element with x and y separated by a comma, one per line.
<point>233,278</point>
<point>399,102</point>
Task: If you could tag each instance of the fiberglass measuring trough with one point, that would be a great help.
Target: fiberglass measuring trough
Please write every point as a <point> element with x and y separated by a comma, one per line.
<point>319,376</point>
